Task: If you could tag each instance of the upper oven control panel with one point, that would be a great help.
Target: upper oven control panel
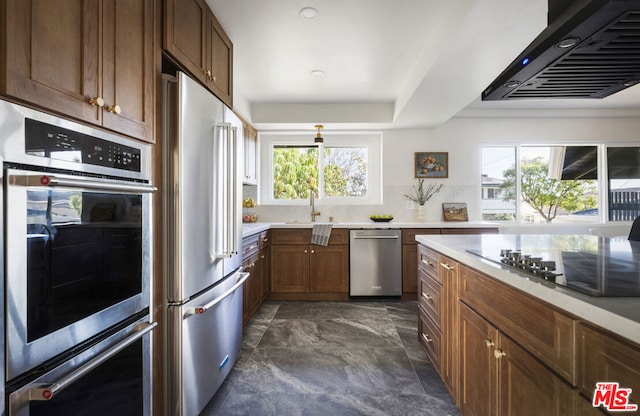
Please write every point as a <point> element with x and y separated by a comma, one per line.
<point>54,142</point>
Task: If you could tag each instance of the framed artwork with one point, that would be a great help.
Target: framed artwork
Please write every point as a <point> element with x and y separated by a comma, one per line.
<point>455,211</point>
<point>431,165</point>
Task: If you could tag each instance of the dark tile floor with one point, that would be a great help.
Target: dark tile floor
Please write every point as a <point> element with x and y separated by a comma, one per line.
<point>333,358</point>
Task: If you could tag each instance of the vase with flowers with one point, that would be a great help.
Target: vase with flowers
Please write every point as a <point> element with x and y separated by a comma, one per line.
<point>421,194</point>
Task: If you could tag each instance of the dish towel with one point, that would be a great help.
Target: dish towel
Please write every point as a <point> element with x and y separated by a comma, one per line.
<point>321,233</point>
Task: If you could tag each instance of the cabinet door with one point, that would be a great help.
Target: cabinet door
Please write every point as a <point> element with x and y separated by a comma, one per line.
<point>410,268</point>
<point>604,357</point>
<point>53,55</point>
<point>250,156</point>
<point>290,268</point>
<point>128,67</point>
<point>329,268</point>
<point>218,61</point>
<point>478,371</point>
<point>265,273</point>
<point>449,323</point>
<point>528,388</point>
<point>185,23</point>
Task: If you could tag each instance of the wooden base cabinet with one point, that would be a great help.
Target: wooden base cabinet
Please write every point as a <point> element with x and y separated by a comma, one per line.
<point>498,377</point>
<point>409,246</point>
<point>255,260</point>
<point>300,270</point>
<point>605,357</point>
<point>89,60</point>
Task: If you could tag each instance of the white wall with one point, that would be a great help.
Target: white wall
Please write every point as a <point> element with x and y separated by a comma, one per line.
<point>461,138</point>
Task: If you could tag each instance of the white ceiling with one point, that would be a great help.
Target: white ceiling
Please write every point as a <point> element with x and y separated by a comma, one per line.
<point>387,64</point>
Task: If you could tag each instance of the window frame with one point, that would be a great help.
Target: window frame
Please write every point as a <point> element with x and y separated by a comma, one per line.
<point>602,169</point>
<point>372,141</point>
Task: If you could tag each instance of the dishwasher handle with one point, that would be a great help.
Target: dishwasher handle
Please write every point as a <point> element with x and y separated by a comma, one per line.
<point>375,237</point>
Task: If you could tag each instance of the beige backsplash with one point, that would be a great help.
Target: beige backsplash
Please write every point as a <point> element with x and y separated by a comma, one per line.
<point>394,203</point>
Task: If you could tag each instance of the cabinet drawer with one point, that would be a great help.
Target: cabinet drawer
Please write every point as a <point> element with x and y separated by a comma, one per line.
<point>303,236</point>
<point>429,295</point>
<point>604,357</point>
<point>339,236</point>
<point>430,338</point>
<point>250,246</point>
<point>409,234</point>
<point>291,236</point>
<point>543,331</point>
<point>264,240</point>
<point>428,261</point>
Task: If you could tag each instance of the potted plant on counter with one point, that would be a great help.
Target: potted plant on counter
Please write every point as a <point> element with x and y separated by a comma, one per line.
<point>421,194</point>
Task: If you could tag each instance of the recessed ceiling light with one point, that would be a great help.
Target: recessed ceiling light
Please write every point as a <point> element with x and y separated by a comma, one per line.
<point>309,13</point>
<point>317,73</point>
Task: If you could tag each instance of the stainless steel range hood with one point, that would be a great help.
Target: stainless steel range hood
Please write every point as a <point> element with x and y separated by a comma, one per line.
<point>591,49</point>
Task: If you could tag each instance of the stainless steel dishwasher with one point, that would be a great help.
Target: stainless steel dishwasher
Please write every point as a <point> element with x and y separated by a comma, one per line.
<point>375,262</point>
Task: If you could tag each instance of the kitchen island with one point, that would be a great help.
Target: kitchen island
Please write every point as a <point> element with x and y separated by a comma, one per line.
<point>505,341</point>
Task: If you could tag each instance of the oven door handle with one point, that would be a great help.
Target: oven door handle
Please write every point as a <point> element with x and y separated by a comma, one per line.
<point>199,310</point>
<point>52,181</point>
<point>48,392</point>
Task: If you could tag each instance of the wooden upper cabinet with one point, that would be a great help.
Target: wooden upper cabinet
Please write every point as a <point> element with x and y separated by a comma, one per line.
<point>128,67</point>
<point>219,69</point>
<point>87,59</point>
<point>196,40</point>
<point>184,33</point>
<point>53,55</point>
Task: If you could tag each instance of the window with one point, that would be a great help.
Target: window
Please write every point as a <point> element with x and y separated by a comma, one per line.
<point>623,172</point>
<point>540,183</point>
<point>344,170</point>
<point>496,202</point>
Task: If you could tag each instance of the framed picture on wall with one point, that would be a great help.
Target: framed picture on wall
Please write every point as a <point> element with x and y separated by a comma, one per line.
<point>431,165</point>
<point>455,211</point>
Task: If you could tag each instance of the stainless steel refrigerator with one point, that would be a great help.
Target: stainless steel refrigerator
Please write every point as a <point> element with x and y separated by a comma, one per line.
<point>201,243</point>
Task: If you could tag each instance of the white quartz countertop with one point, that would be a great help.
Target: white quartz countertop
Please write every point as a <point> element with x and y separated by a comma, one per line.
<point>256,227</point>
<point>620,315</point>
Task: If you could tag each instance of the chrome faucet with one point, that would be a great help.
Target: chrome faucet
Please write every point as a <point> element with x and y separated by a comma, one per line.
<point>312,202</point>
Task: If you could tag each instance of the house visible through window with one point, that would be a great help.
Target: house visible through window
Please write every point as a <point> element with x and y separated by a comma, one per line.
<point>623,166</point>
<point>540,183</point>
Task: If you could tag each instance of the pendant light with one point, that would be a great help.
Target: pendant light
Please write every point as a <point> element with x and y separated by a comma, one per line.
<point>318,139</point>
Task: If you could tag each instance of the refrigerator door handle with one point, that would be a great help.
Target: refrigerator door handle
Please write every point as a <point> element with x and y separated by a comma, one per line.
<point>220,236</point>
<point>199,310</point>
<point>232,150</point>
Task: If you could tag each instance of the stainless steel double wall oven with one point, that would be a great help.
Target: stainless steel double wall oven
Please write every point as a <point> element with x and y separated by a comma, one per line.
<point>77,223</point>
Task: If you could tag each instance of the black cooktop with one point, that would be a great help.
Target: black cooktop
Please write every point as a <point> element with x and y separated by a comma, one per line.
<point>590,273</point>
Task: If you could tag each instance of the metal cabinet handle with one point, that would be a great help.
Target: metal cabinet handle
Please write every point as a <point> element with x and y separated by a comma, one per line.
<point>427,262</point>
<point>446,266</point>
<point>426,337</point>
<point>426,296</point>
<point>499,353</point>
<point>488,343</point>
<point>47,392</point>
<point>199,310</point>
<point>97,101</point>
<point>52,181</point>
<point>115,109</point>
